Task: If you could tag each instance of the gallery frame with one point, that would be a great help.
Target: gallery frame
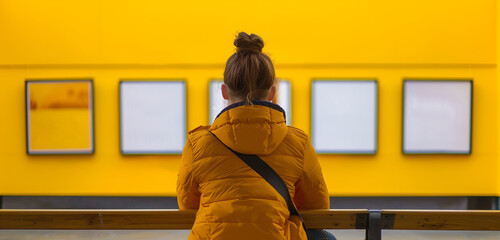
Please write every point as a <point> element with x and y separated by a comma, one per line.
<point>403,125</point>
<point>178,151</point>
<point>28,108</point>
<point>215,82</point>
<point>218,82</point>
<point>375,117</point>
<point>288,101</point>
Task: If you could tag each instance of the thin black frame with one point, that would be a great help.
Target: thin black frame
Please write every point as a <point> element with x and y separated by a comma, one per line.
<point>312,109</point>
<point>122,81</point>
<point>403,116</point>
<point>92,118</point>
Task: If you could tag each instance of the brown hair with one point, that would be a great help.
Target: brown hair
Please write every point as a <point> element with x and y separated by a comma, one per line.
<point>249,73</point>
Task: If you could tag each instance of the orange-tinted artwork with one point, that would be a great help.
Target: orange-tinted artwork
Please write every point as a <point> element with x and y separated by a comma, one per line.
<point>59,116</point>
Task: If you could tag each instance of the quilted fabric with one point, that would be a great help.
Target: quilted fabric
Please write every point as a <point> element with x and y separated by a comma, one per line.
<point>234,202</point>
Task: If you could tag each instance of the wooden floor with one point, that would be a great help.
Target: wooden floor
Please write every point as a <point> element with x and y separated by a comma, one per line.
<point>182,234</point>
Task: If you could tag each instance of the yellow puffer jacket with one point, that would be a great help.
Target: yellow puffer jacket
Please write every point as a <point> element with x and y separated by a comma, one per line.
<point>234,202</point>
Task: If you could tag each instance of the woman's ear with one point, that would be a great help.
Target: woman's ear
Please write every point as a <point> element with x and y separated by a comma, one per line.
<point>225,93</point>
<point>272,93</point>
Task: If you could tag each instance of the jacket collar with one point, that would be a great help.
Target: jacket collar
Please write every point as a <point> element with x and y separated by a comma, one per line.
<point>256,128</point>
<point>254,102</point>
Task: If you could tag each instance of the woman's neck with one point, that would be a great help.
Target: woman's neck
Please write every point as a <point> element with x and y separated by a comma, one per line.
<point>236,100</point>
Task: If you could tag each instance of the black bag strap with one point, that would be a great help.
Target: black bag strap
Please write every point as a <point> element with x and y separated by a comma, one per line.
<point>266,172</point>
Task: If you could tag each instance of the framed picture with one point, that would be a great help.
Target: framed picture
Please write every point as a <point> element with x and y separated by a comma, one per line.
<point>152,117</point>
<point>217,103</point>
<point>59,117</point>
<point>284,98</point>
<point>437,116</point>
<point>344,116</point>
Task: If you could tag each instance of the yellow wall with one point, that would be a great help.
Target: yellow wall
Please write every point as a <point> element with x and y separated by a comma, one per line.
<point>387,40</point>
<point>498,90</point>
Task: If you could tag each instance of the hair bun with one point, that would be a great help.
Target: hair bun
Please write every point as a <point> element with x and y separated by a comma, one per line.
<point>248,43</point>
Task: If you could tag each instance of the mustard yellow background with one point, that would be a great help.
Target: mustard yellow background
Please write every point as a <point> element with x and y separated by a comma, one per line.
<point>388,40</point>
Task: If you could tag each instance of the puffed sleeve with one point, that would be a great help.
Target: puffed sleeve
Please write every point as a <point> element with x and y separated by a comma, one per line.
<point>188,196</point>
<point>310,190</point>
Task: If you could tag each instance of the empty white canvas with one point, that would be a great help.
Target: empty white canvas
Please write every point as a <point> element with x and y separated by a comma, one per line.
<point>437,116</point>
<point>284,99</point>
<point>344,116</point>
<point>152,117</point>
<point>217,103</point>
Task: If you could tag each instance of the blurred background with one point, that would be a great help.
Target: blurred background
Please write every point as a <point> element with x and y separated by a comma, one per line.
<point>384,40</point>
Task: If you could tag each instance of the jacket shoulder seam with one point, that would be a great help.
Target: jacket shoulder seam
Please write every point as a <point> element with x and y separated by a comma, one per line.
<point>193,139</point>
<point>299,133</point>
<point>199,128</point>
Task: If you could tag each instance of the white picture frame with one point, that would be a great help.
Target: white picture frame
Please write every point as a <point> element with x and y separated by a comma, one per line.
<point>437,116</point>
<point>344,116</point>
<point>152,117</point>
<point>284,98</point>
<point>217,103</point>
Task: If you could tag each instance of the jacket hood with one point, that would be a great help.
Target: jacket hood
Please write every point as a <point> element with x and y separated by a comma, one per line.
<point>251,129</point>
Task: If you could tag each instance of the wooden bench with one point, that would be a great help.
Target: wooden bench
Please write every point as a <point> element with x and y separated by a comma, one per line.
<point>371,220</point>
